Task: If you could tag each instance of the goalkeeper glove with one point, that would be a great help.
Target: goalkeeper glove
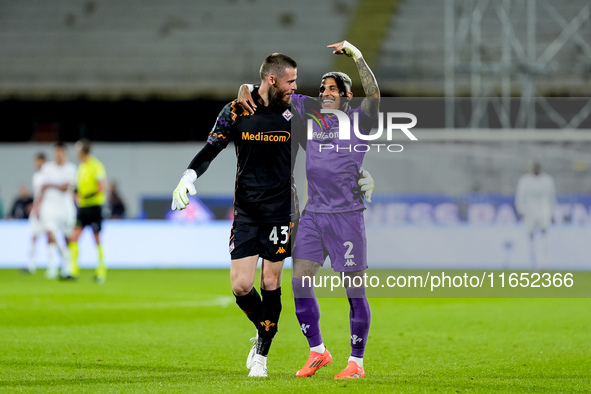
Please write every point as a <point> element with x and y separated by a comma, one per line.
<point>366,183</point>
<point>179,195</point>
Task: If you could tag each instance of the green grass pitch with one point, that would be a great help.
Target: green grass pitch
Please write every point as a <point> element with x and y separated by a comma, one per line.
<point>179,331</point>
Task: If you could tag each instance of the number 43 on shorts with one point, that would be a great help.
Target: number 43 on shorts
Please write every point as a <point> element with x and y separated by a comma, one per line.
<point>284,232</point>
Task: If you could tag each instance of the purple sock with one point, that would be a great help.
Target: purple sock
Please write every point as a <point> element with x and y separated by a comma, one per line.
<point>307,311</point>
<point>360,318</point>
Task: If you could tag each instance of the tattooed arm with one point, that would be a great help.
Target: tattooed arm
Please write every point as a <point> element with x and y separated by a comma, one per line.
<point>371,104</point>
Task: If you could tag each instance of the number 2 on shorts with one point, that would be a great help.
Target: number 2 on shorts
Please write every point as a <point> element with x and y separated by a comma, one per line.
<point>349,246</point>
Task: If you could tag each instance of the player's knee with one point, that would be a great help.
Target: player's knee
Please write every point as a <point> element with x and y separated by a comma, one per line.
<point>241,288</point>
<point>240,291</point>
<point>271,282</point>
<point>305,268</point>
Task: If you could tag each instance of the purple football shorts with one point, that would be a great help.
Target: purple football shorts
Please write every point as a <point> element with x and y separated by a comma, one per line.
<point>341,236</point>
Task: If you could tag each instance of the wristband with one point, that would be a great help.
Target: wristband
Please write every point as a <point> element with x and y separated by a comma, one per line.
<point>351,50</point>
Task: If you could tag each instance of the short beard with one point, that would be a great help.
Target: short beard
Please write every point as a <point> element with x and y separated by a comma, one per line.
<point>276,97</point>
<point>344,104</point>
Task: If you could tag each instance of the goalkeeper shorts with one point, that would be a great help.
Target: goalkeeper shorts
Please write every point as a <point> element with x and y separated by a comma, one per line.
<point>272,242</point>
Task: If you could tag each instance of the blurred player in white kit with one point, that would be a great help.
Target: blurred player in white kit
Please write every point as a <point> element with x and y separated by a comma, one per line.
<point>55,208</point>
<point>535,200</point>
<point>34,222</point>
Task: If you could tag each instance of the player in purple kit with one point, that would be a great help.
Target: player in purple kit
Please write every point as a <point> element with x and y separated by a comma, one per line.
<point>332,223</point>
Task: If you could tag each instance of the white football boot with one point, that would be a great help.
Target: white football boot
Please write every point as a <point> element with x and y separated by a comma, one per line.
<point>252,352</point>
<point>259,366</point>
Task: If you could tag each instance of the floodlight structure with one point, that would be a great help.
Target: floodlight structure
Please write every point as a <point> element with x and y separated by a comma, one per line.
<point>500,69</point>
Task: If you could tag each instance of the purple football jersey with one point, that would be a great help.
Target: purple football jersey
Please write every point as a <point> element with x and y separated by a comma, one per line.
<point>333,165</point>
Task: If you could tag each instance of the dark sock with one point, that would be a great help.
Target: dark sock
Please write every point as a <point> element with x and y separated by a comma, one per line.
<point>251,305</point>
<point>269,319</point>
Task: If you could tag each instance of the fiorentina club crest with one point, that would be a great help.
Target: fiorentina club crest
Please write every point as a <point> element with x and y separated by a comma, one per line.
<point>287,114</point>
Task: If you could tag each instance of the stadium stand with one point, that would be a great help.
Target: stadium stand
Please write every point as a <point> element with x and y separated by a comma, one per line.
<point>183,48</point>
<point>367,29</point>
<point>413,52</point>
<point>178,48</point>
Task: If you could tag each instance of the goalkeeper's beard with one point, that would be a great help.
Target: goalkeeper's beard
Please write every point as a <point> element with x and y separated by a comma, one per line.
<point>277,97</point>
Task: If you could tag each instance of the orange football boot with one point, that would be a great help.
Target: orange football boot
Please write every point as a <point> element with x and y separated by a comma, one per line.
<point>314,363</point>
<point>353,371</point>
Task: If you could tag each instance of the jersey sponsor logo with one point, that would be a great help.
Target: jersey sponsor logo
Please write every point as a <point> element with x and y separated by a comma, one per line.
<point>267,324</point>
<point>287,114</point>
<point>267,136</point>
<point>323,135</point>
<point>355,339</point>
<point>317,117</point>
<point>344,123</point>
<point>280,250</point>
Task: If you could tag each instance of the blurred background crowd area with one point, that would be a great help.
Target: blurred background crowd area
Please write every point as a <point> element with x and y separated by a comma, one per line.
<point>145,80</point>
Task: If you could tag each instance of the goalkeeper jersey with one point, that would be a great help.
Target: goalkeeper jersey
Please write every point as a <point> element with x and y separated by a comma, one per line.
<point>265,154</point>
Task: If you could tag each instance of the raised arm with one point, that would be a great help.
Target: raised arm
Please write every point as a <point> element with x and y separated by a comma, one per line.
<point>371,104</point>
